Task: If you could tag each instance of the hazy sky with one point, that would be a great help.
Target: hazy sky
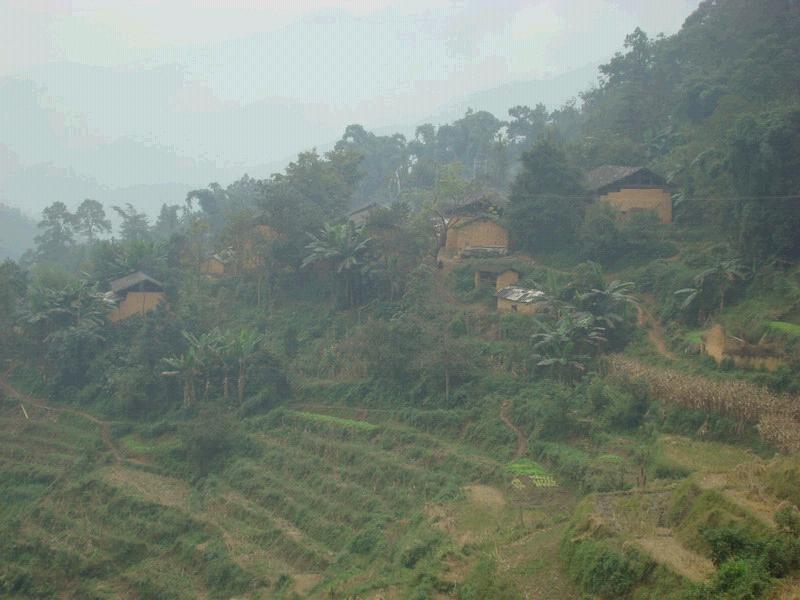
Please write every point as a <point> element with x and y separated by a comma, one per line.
<point>332,51</point>
<point>182,91</point>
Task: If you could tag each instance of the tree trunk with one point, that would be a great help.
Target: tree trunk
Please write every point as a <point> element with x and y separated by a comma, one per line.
<point>350,292</point>
<point>241,380</point>
<point>225,383</point>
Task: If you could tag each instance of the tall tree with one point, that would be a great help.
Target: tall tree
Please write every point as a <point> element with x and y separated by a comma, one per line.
<point>546,199</point>
<point>90,220</point>
<point>764,166</point>
<point>135,225</point>
<point>58,233</point>
<point>168,221</point>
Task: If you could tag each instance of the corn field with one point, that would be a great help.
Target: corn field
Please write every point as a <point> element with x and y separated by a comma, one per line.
<point>776,416</point>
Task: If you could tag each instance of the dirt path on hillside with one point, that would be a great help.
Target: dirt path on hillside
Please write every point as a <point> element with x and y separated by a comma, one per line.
<point>522,440</point>
<point>655,332</point>
<point>104,426</point>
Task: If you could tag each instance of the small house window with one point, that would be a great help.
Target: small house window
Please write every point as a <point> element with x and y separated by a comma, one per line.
<point>513,308</point>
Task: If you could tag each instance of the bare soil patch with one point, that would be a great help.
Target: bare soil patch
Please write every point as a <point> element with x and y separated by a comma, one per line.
<point>485,495</point>
<point>667,550</point>
<point>153,488</point>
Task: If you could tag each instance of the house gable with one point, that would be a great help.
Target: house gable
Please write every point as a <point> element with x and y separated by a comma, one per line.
<point>631,189</point>
<point>474,233</point>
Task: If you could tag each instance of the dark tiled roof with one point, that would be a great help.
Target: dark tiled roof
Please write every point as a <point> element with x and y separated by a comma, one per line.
<point>368,208</point>
<point>463,221</point>
<point>607,174</point>
<point>129,281</point>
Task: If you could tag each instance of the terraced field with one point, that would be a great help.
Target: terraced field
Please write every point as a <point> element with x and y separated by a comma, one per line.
<point>321,504</point>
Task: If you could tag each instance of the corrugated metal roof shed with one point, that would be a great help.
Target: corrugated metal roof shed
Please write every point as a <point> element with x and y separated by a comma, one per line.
<point>520,294</point>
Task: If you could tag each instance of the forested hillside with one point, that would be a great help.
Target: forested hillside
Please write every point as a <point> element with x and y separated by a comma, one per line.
<point>441,367</point>
<point>16,232</point>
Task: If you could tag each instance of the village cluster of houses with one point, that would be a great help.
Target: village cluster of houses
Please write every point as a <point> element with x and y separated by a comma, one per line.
<point>471,232</point>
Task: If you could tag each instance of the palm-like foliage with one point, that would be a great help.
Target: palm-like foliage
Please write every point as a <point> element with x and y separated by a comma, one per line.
<point>244,347</point>
<point>565,346</point>
<point>715,280</point>
<point>609,304</point>
<point>68,323</point>
<point>210,349</point>
<point>349,252</point>
<point>139,255</point>
<point>724,274</point>
<point>77,303</point>
<point>187,367</point>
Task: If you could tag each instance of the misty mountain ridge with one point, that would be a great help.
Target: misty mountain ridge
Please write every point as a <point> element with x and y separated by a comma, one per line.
<point>75,131</point>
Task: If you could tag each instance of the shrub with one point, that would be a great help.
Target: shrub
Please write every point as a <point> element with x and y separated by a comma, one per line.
<point>483,582</point>
<point>621,408</point>
<point>602,570</point>
<point>729,542</point>
<point>418,549</point>
<point>787,517</point>
<point>744,579</point>
<point>366,541</point>
<point>208,440</point>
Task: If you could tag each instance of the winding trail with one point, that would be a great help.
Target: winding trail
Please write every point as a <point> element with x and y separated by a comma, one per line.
<point>104,426</point>
<point>522,441</point>
<point>655,332</point>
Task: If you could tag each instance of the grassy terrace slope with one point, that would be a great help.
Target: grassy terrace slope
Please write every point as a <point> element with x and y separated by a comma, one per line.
<point>316,504</point>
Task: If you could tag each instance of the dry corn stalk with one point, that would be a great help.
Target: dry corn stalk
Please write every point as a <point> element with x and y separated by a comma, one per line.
<point>777,416</point>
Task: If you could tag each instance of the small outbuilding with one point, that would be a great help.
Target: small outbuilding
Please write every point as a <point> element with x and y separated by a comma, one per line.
<point>134,294</point>
<point>513,299</point>
<point>219,264</point>
<point>361,215</point>
<point>629,190</point>
<point>497,277</point>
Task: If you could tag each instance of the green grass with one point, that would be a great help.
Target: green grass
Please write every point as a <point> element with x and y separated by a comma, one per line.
<point>694,337</point>
<point>329,419</point>
<point>790,329</point>
<point>524,467</point>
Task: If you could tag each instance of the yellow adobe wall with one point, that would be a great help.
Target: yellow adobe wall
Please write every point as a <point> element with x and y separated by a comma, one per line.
<point>135,303</point>
<point>478,234</point>
<point>505,279</point>
<point>715,345</point>
<point>502,280</point>
<point>507,306</point>
<point>212,266</point>
<point>655,199</point>
<point>267,232</point>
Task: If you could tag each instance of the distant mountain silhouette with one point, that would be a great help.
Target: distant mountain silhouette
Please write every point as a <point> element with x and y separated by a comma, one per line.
<point>553,93</point>
<point>16,232</point>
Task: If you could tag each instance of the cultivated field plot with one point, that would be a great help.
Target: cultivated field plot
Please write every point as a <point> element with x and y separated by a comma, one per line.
<point>320,504</point>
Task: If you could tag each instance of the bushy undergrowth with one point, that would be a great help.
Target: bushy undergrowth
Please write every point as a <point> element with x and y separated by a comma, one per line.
<point>602,570</point>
